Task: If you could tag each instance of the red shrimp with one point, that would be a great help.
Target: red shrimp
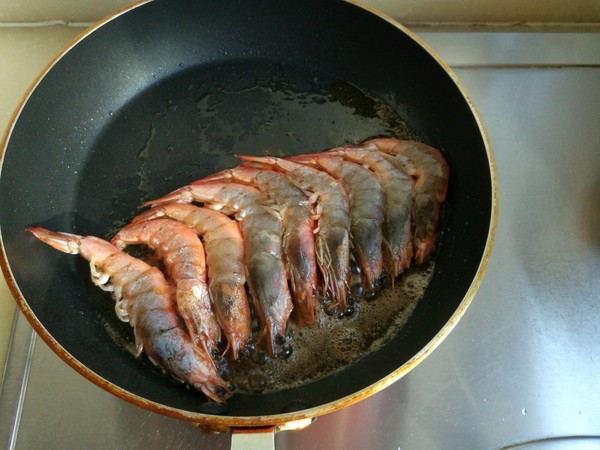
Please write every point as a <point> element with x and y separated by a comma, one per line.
<point>262,231</point>
<point>224,248</point>
<point>333,226</point>
<point>366,211</point>
<point>430,170</point>
<point>298,232</point>
<point>397,187</point>
<point>183,255</point>
<point>143,298</point>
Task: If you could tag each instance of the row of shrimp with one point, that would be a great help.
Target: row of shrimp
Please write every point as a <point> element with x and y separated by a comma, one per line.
<point>262,240</point>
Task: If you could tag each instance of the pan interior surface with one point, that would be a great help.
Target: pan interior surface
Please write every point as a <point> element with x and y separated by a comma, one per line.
<point>170,92</point>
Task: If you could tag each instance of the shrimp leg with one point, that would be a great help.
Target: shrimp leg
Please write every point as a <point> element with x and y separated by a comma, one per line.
<point>183,255</point>
<point>143,298</point>
<point>224,247</point>
<point>366,211</point>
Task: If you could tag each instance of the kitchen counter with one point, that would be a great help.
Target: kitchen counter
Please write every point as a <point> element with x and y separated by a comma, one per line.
<point>522,365</point>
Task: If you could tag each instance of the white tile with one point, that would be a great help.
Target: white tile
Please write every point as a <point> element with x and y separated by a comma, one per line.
<point>24,53</point>
<point>515,49</point>
<point>489,10</point>
<point>68,10</point>
<point>409,11</point>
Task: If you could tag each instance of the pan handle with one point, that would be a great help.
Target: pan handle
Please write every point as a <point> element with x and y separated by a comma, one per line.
<point>263,438</point>
<point>253,438</point>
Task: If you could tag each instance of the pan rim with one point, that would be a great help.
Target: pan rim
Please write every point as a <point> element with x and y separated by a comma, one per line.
<point>225,422</point>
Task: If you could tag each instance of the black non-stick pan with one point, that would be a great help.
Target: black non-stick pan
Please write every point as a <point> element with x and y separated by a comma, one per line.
<point>169,91</point>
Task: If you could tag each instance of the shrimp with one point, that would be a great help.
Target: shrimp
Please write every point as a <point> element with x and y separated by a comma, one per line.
<point>224,248</point>
<point>332,240</point>
<point>262,231</point>
<point>143,298</point>
<point>183,256</point>
<point>397,187</point>
<point>366,211</point>
<point>427,165</point>
<point>298,232</point>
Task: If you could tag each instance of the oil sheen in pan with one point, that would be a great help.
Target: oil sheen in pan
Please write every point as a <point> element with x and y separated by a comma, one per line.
<point>192,124</point>
<point>333,343</point>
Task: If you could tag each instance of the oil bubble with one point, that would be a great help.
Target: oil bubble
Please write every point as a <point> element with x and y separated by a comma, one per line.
<point>280,339</point>
<point>356,290</point>
<point>371,295</point>
<point>332,309</point>
<point>286,351</point>
<point>257,380</point>
<point>259,356</point>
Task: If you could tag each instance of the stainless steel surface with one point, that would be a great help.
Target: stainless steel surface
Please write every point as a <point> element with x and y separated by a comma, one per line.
<point>522,365</point>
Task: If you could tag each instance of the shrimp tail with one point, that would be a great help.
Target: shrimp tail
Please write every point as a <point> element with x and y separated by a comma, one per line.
<point>64,242</point>
<point>182,195</point>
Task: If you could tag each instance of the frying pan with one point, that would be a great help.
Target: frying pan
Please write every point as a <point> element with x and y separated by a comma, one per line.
<point>166,92</point>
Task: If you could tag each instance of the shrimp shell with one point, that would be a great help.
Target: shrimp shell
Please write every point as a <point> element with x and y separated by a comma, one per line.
<point>262,230</point>
<point>224,248</point>
<point>366,210</point>
<point>145,294</point>
<point>397,187</point>
<point>298,231</point>
<point>183,255</point>
<point>430,170</point>
<point>333,229</point>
